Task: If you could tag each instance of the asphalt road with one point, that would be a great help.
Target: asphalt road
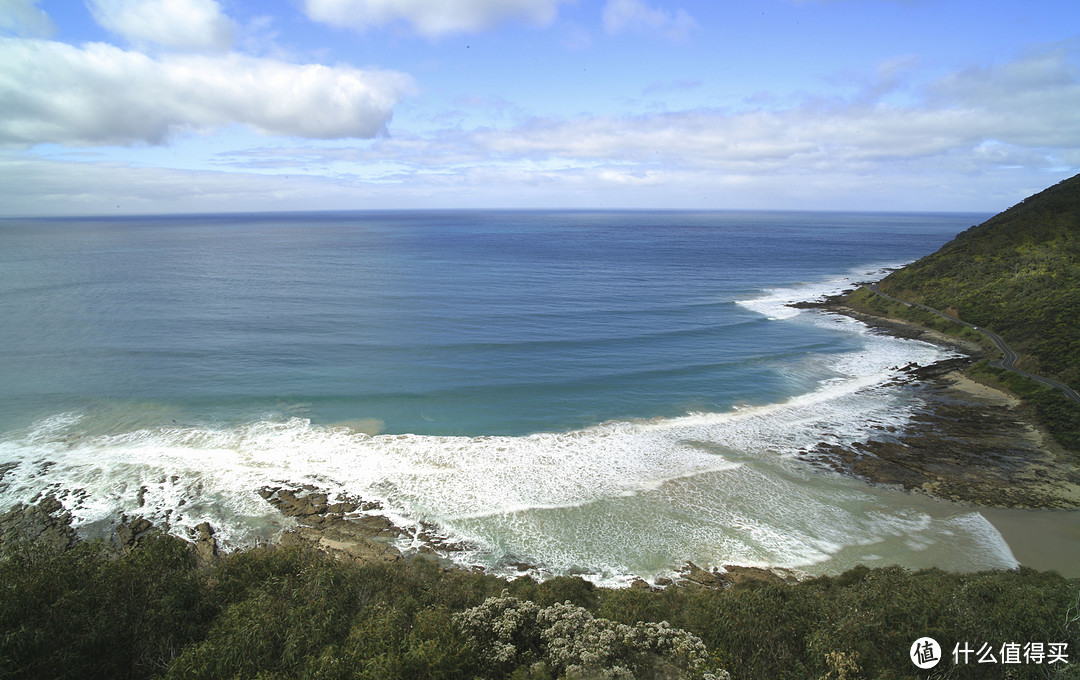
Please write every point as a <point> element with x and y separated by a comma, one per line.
<point>1009,356</point>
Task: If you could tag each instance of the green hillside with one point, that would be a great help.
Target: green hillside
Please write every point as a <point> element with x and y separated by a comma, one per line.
<point>1018,274</point>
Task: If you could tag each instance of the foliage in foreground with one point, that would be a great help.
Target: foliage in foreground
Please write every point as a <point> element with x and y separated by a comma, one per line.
<point>293,613</point>
<point>564,640</point>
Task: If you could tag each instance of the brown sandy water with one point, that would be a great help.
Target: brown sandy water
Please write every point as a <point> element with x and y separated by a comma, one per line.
<point>1041,539</point>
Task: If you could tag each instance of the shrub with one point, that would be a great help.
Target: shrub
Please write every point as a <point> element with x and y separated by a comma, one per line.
<point>569,642</point>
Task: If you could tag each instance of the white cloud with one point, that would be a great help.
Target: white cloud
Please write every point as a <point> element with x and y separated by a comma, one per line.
<point>1030,101</point>
<point>976,139</point>
<point>98,94</point>
<point>431,17</point>
<point>962,123</point>
<point>621,16</point>
<point>97,187</point>
<point>181,24</point>
<point>23,18</point>
<point>39,186</point>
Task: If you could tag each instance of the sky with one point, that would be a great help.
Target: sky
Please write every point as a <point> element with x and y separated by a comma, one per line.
<point>181,106</point>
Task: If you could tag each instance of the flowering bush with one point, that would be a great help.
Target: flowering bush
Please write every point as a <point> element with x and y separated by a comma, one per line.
<point>503,630</point>
<point>569,642</point>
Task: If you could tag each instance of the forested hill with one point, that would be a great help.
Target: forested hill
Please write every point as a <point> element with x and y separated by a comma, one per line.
<point>1018,274</point>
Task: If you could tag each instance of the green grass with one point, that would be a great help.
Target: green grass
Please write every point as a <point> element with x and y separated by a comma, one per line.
<point>293,613</point>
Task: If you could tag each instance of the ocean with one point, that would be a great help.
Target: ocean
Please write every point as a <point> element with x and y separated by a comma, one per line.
<point>606,393</point>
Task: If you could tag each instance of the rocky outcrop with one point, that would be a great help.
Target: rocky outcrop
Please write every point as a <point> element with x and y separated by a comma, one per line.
<point>734,576</point>
<point>46,524</point>
<point>340,529</point>
<point>205,545</point>
<point>964,442</point>
<point>131,532</point>
<point>959,445</point>
<point>345,528</point>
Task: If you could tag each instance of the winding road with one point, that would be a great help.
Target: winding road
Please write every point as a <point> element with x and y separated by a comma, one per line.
<point>1009,356</point>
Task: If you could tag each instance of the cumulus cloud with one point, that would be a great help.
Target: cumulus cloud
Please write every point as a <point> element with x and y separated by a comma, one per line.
<point>23,18</point>
<point>180,24</point>
<point>621,16</point>
<point>431,17</point>
<point>981,136</point>
<point>963,122</point>
<point>98,94</point>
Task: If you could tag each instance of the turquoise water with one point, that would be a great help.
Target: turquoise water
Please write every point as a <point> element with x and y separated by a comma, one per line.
<point>613,392</point>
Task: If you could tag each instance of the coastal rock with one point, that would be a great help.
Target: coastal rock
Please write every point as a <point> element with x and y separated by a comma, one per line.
<point>345,539</point>
<point>738,576</point>
<point>694,574</point>
<point>46,523</point>
<point>959,445</point>
<point>324,525</point>
<point>735,576</point>
<point>965,442</point>
<point>205,546</point>
<point>342,508</point>
<point>292,503</point>
<point>130,532</point>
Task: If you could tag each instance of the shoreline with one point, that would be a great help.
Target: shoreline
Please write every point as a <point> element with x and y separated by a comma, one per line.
<point>969,443</point>
<point>349,530</point>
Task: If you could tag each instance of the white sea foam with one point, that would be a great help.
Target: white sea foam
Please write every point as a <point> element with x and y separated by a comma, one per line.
<point>420,477</point>
<point>617,499</point>
<point>614,500</point>
<point>775,303</point>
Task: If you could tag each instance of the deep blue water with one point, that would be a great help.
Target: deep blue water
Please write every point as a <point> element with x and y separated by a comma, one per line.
<point>430,322</point>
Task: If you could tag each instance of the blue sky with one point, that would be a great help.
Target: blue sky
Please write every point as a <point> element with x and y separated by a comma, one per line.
<point>145,106</point>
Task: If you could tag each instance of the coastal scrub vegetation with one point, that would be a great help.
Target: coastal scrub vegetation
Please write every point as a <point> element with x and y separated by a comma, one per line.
<point>296,613</point>
<point>1018,274</point>
<point>865,300</point>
